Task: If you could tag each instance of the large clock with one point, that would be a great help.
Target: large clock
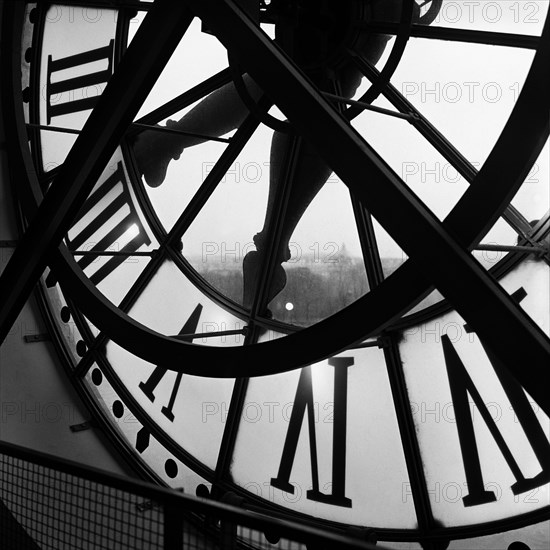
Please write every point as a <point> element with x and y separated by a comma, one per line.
<point>307,262</point>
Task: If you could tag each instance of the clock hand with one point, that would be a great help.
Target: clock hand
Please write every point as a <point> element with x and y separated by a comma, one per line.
<point>309,175</point>
<point>187,98</point>
<point>223,110</point>
<point>219,113</point>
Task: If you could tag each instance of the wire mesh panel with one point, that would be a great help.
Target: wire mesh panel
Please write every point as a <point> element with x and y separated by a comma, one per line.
<point>50,504</point>
<point>61,511</point>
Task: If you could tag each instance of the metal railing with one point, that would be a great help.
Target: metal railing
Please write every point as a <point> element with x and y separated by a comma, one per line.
<point>53,504</point>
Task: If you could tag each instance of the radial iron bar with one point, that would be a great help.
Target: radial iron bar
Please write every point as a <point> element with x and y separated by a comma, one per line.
<point>98,253</point>
<point>460,35</point>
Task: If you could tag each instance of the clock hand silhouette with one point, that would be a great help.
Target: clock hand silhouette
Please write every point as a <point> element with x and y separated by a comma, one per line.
<point>313,35</point>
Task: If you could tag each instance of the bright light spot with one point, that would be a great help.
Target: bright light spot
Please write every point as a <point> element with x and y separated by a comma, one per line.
<point>133,230</point>
<point>289,306</point>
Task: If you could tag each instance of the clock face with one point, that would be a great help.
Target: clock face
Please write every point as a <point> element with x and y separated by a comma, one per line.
<point>217,223</point>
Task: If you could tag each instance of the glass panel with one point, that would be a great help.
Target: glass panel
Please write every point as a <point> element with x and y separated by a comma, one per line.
<point>429,356</point>
<point>112,224</point>
<point>375,472</point>
<point>268,335</point>
<point>191,410</point>
<point>185,175</point>
<point>171,300</point>
<point>171,470</point>
<point>467,91</point>
<point>391,254</point>
<point>533,199</point>
<point>198,56</point>
<point>501,233</point>
<point>432,298</point>
<point>222,234</point>
<point>536,537</point>
<point>428,174</point>
<point>68,31</point>
<point>318,249</point>
<point>326,271</point>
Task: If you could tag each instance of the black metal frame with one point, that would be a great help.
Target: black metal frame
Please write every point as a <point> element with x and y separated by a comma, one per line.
<point>535,344</point>
<point>429,530</point>
<point>421,231</point>
<point>129,87</point>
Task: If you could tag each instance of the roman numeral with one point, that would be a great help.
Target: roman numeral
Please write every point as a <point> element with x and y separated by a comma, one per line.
<point>461,386</point>
<point>149,387</point>
<point>109,200</point>
<point>303,401</point>
<point>68,86</point>
<point>109,210</point>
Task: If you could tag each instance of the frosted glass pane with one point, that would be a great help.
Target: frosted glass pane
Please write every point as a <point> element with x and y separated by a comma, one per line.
<point>200,53</point>
<point>112,222</point>
<point>427,352</point>
<point>151,451</point>
<point>467,91</point>
<point>327,270</point>
<point>537,537</point>
<point>222,233</point>
<point>427,173</point>
<point>375,474</point>
<point>71,30</point>
<point>170,300</point>
<point>178,405</point>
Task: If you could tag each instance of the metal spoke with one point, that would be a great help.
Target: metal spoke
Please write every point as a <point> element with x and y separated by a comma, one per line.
<point>167,130</point>
<point>461,35</point>
<point>368,107</point>
<point>112,253</point>
<point>220,333</point>
<point>537,250</point>
<point>185,99</point>
<point>369,245</point>
<point>440,143</point>
<point>365,229</point>
<point>53,128</point>
<point>233,150</point>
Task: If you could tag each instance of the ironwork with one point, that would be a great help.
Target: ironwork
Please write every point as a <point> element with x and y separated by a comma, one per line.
<point>54,504</point>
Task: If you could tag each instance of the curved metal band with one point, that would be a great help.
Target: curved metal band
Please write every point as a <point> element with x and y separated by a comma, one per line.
<point>482,203</point>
